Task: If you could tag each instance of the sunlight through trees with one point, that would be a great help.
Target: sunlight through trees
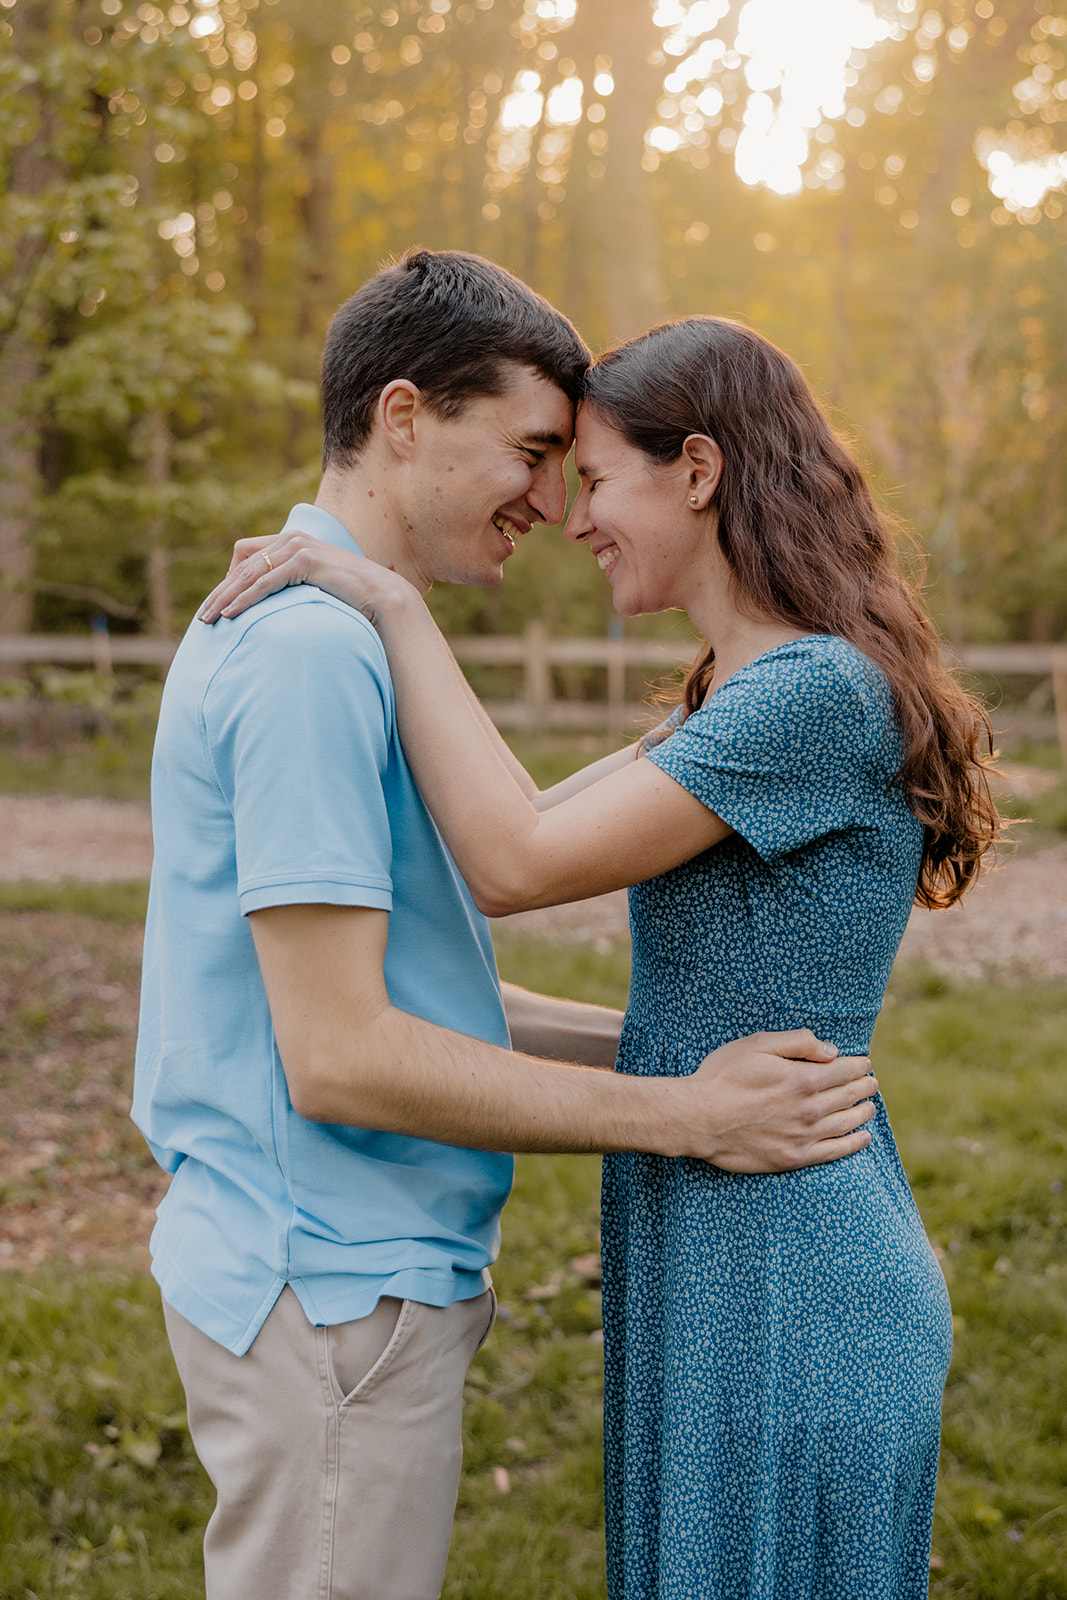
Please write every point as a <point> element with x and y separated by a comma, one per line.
<point>191,189</point>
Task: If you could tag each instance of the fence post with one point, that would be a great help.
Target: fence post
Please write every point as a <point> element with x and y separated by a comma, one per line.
<point>616,687</point>
<point>538,676</point>
<point>1059,696</point>
<point>102,664</point>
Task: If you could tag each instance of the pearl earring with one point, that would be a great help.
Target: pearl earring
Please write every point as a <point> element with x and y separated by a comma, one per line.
<point>694,499</point>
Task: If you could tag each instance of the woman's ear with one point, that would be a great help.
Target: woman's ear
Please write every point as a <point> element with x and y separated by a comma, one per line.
<point>703,459</point>
<point>398,407</point>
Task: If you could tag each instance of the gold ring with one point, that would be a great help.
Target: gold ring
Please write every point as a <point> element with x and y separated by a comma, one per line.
<point>267,559</point>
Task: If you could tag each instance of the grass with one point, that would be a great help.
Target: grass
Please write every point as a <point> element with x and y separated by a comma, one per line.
<point>117,766</point>
<point>112,765</point>
<point>1046,812</point>
<point>549,758</point>
<point>110,902</point>
<point>975,1085</point>
<point>104,1498</point>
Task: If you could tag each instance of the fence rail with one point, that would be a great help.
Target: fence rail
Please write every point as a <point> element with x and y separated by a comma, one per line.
<point>537,707</point>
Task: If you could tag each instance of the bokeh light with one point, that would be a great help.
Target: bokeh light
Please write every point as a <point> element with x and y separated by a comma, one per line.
<point>796,65</point>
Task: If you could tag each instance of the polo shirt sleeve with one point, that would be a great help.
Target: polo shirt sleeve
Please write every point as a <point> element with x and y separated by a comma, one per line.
<point>297,722</point>
<point>778,752</point>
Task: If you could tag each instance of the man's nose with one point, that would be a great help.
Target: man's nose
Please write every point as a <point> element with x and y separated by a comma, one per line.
<point>550,494</point>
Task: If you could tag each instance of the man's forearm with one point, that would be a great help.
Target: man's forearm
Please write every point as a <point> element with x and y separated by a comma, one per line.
<point>351,1057</point>
<point>740,1110</point>
<point>401,1074</point>
<point>561,1030</point>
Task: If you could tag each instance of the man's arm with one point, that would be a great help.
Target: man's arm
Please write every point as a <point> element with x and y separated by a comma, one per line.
<point>351,1057</point>
<point>561,1030</point>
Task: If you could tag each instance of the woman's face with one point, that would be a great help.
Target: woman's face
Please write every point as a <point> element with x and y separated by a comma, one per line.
<point>649,541</point>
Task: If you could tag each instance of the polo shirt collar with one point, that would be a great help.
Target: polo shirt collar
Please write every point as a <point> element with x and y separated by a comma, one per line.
<point>322,525</point>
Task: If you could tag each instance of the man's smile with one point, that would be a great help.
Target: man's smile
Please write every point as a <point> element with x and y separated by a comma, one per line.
<point>510,529</point>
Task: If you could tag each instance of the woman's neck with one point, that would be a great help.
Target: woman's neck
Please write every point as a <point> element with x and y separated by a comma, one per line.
<point>737,635</point>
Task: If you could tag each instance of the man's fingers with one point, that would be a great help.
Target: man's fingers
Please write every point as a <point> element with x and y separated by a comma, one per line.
<point>823,1075</point>
<point>848,1144</point>
<point>798,1044</point>
<point>840,1097</point>
<point>837,1123</point>
<point>835,1136</point>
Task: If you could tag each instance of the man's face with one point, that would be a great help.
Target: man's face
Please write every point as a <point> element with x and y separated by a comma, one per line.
<point>476,484</point>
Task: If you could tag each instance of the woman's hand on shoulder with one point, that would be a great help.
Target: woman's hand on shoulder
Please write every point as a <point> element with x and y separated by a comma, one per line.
<point>260,567</point>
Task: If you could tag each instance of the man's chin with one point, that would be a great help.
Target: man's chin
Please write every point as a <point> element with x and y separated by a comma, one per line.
<point>486,577</point>
<point>482,579</point>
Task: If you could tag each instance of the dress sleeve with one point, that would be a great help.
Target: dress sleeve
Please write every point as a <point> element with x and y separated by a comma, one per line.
<point>780,752</point>
<point>297,723</point>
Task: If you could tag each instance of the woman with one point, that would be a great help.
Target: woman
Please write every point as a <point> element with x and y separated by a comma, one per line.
<point>775,1346</point>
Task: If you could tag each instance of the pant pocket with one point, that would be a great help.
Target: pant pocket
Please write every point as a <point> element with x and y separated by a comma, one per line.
<point>491,1324</point>
<point>356,1349</point>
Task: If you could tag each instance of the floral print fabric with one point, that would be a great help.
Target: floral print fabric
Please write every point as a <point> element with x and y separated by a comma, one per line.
<point>775,1346</point>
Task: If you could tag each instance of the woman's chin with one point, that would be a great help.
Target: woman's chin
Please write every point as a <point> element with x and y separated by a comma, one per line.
<point>628,605</point>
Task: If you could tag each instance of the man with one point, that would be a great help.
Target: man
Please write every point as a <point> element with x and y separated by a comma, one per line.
<point>323,1061</point>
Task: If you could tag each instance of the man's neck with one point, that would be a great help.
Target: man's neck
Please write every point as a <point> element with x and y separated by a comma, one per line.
<point>359,500</point>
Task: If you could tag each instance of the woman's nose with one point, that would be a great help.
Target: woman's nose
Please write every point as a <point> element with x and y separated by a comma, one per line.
<point>579,523</point>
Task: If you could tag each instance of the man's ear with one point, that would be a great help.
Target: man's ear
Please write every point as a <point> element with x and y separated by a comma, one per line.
<point>704,462</point>
<point>398,407</point>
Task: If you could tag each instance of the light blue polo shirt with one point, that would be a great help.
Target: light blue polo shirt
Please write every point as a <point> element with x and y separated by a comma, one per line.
<point>278,779</point>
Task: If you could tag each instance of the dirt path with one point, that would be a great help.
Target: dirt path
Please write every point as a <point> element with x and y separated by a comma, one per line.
<point>1013,925</point>
<point>46,838</point>
<point>75,1177</point>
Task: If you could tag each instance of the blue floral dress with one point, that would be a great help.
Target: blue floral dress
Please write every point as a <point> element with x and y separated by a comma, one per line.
<point>775,1347</point>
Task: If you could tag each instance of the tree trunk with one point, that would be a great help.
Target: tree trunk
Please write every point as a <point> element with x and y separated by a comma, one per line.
<point>33,168</point>
<point>634,290</point>
<point>316,211</point>
<point>157,557</point>
<point>251,192</point>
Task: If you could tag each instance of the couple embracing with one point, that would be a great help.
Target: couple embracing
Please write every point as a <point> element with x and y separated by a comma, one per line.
<point>334,1075</point>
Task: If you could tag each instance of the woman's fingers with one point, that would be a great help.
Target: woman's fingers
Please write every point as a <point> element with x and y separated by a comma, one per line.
<point>254,580</point>
<point>243,549</point>
<point>267,565</point>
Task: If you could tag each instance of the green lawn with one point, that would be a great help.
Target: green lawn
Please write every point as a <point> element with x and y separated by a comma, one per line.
<point>116,762</point>
<point>102,1496</point>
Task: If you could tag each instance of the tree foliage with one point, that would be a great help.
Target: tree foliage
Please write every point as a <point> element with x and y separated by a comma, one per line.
<point>190,190</point>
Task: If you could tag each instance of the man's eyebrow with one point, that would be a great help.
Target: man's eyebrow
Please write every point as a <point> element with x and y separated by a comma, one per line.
<point>544,438</point>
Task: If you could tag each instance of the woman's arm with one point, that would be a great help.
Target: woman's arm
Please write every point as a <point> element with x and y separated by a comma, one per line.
<point>561,1030</point>
<point>298,558</point>
<point>630,825</point>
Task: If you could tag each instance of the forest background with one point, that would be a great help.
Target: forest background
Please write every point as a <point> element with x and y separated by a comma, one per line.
<point>188,191</point>
<point>191,190</point>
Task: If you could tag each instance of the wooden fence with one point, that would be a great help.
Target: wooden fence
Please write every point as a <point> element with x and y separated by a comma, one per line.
<point>537,707</point>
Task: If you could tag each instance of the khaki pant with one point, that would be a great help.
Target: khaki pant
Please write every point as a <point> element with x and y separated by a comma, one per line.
<point>335,1451</point>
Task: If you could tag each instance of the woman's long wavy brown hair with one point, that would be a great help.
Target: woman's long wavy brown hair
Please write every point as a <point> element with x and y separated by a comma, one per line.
<point>807,544</point>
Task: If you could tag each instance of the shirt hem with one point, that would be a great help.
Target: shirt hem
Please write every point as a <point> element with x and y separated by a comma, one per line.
<point>315,891</point>
<point>425,1286</point>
